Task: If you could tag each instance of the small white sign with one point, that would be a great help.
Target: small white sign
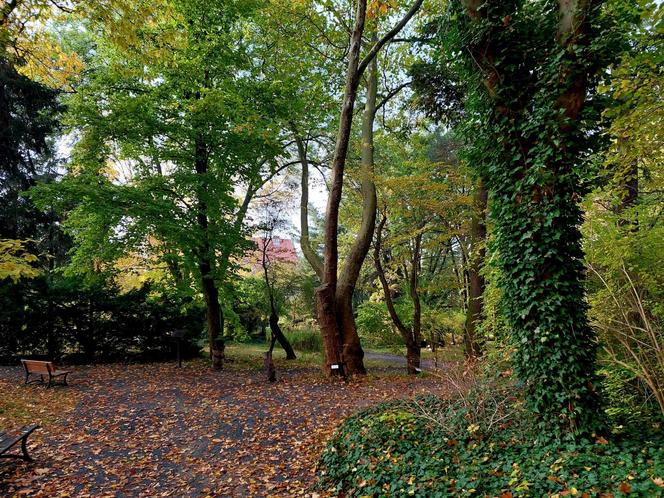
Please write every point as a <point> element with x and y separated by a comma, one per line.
<point>334,367</point>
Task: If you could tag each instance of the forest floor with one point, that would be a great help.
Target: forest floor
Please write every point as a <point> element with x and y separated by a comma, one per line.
<point>150,430</point>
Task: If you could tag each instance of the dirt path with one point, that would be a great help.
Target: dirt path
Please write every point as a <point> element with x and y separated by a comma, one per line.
<point>396,360</point>
<point>153,430</point>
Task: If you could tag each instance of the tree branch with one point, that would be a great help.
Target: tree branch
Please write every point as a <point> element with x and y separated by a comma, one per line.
<point>388,36</point>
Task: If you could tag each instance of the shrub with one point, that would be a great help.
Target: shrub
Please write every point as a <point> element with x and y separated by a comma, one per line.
<point>396,449</point>
<point>375,327</point>
<point>305,340</point>
<point>82,322</point>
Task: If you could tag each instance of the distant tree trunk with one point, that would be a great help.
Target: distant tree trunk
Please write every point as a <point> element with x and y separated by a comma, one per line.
<point>472,344</point>
<point>412,337</point>
<point>214,313</point>
<point>270,371</point>
<point>628,190</point>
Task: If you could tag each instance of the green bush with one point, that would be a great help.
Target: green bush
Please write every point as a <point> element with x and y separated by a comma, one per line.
<point>305,340</point>
<point>375,326</point>
<point>402,449</point>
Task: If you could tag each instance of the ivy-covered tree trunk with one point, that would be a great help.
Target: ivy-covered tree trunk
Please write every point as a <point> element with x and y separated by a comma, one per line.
<point>536,84</point>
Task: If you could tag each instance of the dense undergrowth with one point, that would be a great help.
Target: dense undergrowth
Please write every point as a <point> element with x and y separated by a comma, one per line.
<point>435,448</point>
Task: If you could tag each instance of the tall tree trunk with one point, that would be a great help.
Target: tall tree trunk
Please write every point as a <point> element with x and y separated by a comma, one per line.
<point>537,192</point>
<point>214,313</point>
<point>472,344</point>
<point>326,304</point>
<point>352,350</point>
<point>334,303</point>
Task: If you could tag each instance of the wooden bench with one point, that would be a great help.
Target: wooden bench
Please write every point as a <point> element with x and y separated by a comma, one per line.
<point>7,441</point>
<point>42,368</point>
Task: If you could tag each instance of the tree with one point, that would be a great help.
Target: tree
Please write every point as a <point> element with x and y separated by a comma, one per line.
<point>623,232</point>
<point>172,123</point>
<point>343,352</point>
<point>533,69</point>
<point>268,251</point>
<point>412,335</point>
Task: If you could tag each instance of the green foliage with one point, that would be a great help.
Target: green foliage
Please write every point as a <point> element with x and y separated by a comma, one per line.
<point>374,325</point>
<point>15,262</point>
<point>145,118</point>
<point>307,340</point>
<point>55,317</point>
<point>398,449</point>
<point>623,229</point>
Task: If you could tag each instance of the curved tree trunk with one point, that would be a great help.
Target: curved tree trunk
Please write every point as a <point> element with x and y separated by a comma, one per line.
<point>280,337</point>
<point>334,308</point>
<point>352,350</point>
<point>412,337</point>
<point>326,304</point>
<point>274,315</point>
<point>305,243</point>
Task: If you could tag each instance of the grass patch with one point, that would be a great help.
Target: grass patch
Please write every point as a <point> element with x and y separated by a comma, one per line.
<point>22,405</point>
<point>303,340</point>
<point>249,356</point>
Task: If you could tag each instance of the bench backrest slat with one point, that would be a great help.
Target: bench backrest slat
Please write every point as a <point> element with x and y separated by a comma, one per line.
<point>39,367</point>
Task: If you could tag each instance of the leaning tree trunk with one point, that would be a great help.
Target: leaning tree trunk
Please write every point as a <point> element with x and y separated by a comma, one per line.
<point>274,316</point>
<point>280,337</point>
<point>472,344</point>
<point>332,301</point>
<point>412,337</point>
<point>352,350</point>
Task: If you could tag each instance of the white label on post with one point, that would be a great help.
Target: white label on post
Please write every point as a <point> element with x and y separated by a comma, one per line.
<point>334,367</point>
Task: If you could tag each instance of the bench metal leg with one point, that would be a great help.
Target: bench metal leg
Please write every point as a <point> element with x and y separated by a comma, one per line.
<point>24,451</point>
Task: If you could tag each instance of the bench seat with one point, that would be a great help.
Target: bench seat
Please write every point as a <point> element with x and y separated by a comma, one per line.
<point>43,368</point>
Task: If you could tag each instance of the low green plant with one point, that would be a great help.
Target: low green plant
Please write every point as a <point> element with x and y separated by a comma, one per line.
<point>433,447</point>
<point>306,340</point>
